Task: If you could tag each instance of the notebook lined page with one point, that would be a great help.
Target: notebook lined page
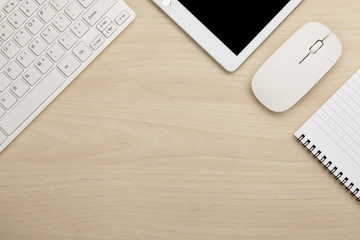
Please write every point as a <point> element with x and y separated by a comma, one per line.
<point>333,134</point>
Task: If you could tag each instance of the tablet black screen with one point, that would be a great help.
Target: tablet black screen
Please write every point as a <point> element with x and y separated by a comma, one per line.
<point>235,22</point>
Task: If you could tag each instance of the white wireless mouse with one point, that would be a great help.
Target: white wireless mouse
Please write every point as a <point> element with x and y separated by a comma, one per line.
<point>296,67</point>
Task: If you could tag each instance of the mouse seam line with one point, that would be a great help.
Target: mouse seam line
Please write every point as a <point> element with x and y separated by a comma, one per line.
<point>327,36</point>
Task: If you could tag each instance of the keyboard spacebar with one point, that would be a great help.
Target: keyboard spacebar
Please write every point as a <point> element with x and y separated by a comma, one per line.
<point>31,102</point>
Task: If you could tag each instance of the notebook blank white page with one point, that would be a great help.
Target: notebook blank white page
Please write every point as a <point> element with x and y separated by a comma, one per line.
<point>332,134</point>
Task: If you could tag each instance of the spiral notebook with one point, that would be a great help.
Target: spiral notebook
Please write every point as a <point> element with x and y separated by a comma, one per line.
<point>332,135</point>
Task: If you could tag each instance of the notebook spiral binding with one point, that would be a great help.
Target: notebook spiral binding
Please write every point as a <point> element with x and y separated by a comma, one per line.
<point>329,166</point>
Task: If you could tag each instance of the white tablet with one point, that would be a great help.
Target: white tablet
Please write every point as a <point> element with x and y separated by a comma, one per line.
<point>229,31</point>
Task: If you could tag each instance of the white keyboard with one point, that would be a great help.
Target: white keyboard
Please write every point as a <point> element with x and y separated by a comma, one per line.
<point>44,45</point>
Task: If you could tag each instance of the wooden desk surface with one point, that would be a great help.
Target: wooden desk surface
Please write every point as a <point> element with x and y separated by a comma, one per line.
<point>156,141</point>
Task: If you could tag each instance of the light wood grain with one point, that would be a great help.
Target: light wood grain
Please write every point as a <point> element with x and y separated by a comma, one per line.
<point>156,141</point>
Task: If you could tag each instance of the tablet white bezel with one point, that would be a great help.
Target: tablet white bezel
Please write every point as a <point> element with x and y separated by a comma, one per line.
<point>210,43</point>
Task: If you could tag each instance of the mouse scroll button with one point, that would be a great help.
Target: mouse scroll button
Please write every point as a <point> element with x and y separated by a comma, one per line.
<point>313,49</point>
<point>316,47</point>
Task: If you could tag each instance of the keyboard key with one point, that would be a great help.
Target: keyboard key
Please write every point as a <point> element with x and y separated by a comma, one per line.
<point>68,40</point>
<point>74,10</point>
<point>10,49</point>
<point>38,46</point>
<point>49,34</point>
<point>31,102</point>
<point>82,51</point>
<point>19,89</point>
<point>10,5</point>
<point>17,19</point>
<point>97,11</point>
<point>124,15</point>
<point>13,70</point>
<point>25,58</point>
<point>85,3</point>
<point>34,25</point>
<point>43,64</point>
<point>3,61</point>
<point>79,28</point>
<point>32,76</point>
<point>22,37</point>
<point>55,52</point>
<point>4,82</point>
<point>29,7</point>
<point>47,13</point>
<point>5,31</point>
<point>69,65</point>
<point>62,22</point>
<point>58,4</point>
<point>103,24</point>
<point>97,42</point>
<point>110,30</point>
<point>7,100</point>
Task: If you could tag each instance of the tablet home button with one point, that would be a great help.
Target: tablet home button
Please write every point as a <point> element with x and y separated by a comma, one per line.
<point>166,3</point>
